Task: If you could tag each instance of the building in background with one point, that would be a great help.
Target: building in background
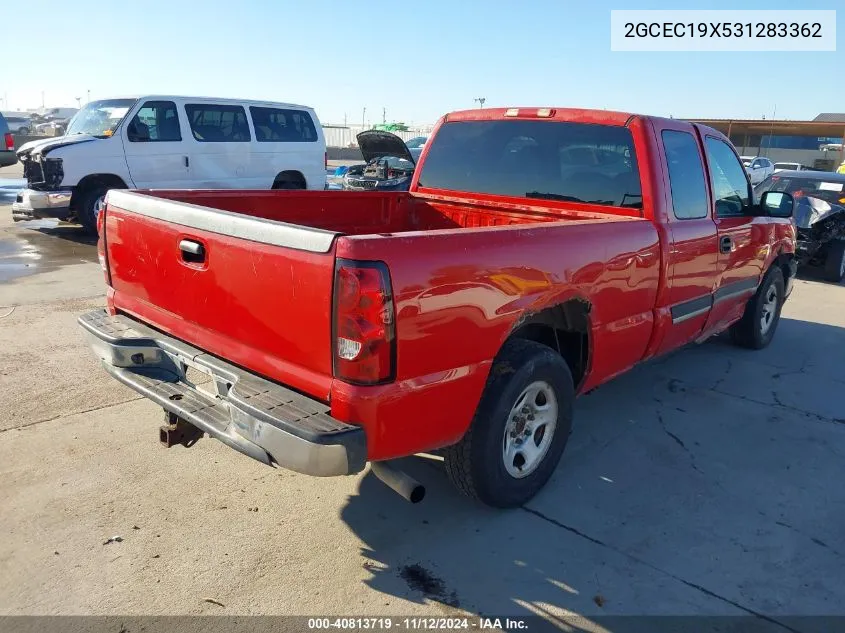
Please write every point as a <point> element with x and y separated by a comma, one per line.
<point>817,143</point>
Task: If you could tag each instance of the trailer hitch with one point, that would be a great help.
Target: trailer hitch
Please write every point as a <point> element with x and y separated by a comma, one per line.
<point>177,430</point>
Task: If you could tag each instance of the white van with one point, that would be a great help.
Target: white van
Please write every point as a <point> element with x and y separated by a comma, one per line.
<point>169,142</point>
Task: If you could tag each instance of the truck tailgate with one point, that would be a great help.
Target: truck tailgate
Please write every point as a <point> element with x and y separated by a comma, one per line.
<point>253,291</point>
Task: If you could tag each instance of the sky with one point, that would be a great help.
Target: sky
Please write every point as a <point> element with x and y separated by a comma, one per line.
<point>417,60</point>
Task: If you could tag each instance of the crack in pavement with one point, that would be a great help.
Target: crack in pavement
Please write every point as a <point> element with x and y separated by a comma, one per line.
<point>679,442</point>
<point>724,377</point>
<point>640,561</point>
<point>67,415</point>
<point>815,540</point>
<point>778,403</point>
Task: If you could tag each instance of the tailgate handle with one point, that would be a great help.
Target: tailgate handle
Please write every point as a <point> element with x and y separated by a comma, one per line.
<point>192,252</point>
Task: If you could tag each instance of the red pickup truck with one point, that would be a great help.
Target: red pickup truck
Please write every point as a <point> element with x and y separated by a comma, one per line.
<point>538,253</point>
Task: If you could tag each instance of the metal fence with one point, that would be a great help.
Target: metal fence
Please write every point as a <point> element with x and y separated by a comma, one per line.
<point>340,136</point>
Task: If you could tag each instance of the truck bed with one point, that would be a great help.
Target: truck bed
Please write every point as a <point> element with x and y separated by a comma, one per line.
<point>364,213</point>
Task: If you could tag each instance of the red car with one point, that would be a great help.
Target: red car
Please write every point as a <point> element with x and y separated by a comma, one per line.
<point>539,253</point>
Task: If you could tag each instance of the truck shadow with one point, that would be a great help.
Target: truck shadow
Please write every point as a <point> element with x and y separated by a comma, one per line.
<point>725,435</point>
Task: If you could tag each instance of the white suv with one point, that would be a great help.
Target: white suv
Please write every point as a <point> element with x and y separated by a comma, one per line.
<point>758,168</point>
<point>169,142</point>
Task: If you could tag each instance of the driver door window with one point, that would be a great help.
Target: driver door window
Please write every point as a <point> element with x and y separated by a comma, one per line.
<point>731,191</point>
<point>155,121</point>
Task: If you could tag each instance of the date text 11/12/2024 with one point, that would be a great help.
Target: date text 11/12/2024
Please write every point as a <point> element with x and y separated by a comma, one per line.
<point>419,623</point>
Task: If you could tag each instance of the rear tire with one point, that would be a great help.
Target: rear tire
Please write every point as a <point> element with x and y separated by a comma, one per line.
<point>834,263</point>
<point>88,205</point>
<point>289,181</point>
<point>506,457</point>
<point>756,328</point>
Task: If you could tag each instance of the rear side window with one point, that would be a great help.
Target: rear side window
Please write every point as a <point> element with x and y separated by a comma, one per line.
<point>686,175</point>
<point>211,123</point>
<point>3,127</point>
<point>277,125</point>
<point>575,162</point>
<point>730,183</point>
<point>156,121</point>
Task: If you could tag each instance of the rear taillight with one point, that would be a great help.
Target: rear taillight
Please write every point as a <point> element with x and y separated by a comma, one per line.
<point>364,329</point>
<point>101,244</point>
<point>10,142</point>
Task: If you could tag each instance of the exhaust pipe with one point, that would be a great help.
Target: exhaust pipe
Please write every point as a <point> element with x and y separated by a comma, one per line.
<point>404,484</point>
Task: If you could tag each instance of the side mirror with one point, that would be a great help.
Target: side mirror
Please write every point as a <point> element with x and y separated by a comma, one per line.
<point>777,204</point>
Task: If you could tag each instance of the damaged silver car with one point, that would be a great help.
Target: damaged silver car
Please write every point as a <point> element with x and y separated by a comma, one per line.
<point>819,217</point>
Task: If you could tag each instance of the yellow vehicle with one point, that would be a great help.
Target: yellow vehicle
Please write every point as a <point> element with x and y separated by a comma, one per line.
<point>841,169</point>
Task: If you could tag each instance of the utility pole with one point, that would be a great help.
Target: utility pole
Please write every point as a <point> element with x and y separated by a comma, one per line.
<point>42,99</point>
<point>89,96</point>
<point>481,101</point>
<point>384,115</point>
<point>363,118</point>
<point>78,100</point>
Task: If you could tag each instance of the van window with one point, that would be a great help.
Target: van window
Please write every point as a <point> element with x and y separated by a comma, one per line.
<point>156,121</point>
<point>686,175</point>
<point>551,160</point>
<point>212,123</point>
<point>276,125</point>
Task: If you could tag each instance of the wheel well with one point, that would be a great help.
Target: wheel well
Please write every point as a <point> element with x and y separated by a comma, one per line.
<point>783,261</point>
<point>109,181</point>
<point>566,329</point>
<point>290,175</point>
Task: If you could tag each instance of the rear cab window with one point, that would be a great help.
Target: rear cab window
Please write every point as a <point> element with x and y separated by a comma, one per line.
<point>217,123</point>
<point>547,160</point>
<point>686,175</point>
<point>282,125</point>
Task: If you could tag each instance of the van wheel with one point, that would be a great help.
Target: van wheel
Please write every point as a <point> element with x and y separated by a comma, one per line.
<point>89,206</point>
<point>520,428</point>
<point>289,181</point>
<point>756,328</point>
<point>834,263</point>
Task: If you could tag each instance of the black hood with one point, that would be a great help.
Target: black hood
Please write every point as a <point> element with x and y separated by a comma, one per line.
<point>377,144</point>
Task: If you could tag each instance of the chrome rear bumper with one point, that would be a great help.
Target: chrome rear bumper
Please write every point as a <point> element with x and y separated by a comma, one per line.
<point>259,418</point>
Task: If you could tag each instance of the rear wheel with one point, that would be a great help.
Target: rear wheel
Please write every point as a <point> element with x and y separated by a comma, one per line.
<point>756,328</point>
<point>289,181</point>
<point>520,428</point>
<point>834,263</point>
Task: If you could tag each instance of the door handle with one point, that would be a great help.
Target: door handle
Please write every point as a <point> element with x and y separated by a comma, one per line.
<point>192,252</point>
<point>187,161</point>
<point>725,244</point>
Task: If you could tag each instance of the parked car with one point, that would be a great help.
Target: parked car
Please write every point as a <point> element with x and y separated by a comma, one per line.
<point>758,168</point>
<point>416,145</point>
<point>790,167</point>
<point>389,164</point>
<point>819,216</point>
<point>19,124</point>
<point>841,169</point>
<point>7,144</point>
<point>531,260</point>
<point>56,127</point>
<point>169,142</point>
